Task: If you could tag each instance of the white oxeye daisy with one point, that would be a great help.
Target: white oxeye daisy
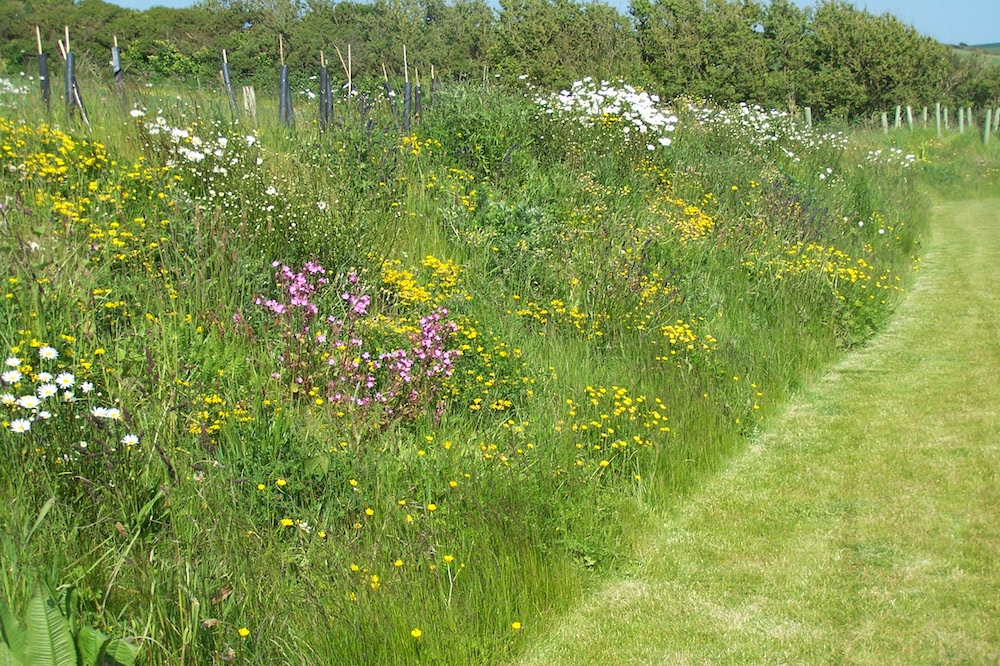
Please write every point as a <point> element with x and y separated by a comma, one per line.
<point>13,361</point>
<point>114,413</point>
<point>130,440</point>
<point>68,396</point>
<point>11,376</point>
<point>8,399</point>
<point>28,402</point>
<point>86,387</point>
<point>44,414</point>
<point>65,380</point>
<point>20,425</point>
<point>48,353</point>
<point>47,391</point>
<point>44,377</point>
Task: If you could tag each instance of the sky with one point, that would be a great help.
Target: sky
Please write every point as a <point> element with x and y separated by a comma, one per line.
<point>950,21</point>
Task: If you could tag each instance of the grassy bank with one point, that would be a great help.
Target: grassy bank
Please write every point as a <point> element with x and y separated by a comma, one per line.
<point>418,391</point>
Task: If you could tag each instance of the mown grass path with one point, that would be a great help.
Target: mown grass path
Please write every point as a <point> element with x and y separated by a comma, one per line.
<point>863,527</point>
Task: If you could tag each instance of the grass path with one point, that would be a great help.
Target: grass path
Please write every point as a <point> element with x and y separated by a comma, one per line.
<point>863,527</point>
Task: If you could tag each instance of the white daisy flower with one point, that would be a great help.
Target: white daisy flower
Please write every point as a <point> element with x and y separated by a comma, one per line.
<point>20,425</point>
<point>47,391</point>
<point>130,440</point>
<point>28,402</point>
<point>86,387</point>
<point>44,377</point>
<point>13,361</point>
<point>8,399</point>
<point>11,376</point>
<point>65,380</point>
<point>48,353</point>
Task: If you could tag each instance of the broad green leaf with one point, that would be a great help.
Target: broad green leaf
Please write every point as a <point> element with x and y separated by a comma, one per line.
<point>10,631</point>
<point>7,657</point>
<point>48,641</point>
<point>90,642</point>
<point>119,653</point>
<point>318,465</point>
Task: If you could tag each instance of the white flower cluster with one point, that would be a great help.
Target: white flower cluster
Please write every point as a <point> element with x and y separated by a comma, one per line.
<point>637,113</point>
<point>38,397</point>
<point>890,157</point>
<point>761,127</point>
<point>10,88</point>
<point>188,146</point>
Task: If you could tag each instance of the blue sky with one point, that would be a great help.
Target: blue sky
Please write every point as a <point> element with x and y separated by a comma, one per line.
<point>952,22</point>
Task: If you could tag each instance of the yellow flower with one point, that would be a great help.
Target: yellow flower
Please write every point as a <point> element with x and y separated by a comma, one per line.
<point>369,512</point>
<point>416,633</point>
<point>398,563</point>
<point>244,632</point>
<point>261,486</point>
<point>449,559</point>
<point>432,507</point>
<point>287,522</point>
<point>515,626</point>
<point>281,482</point>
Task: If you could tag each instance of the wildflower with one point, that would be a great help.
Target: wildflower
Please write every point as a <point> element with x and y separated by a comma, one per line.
<point>398,563</point>
<point>8,399</point>
<point>44,415</point>
<point>432,507</point>
<point>44,377</point>
<point>13,361</point>
<point>11,376</point>
<point>48,353</point>
<point>47,391</point>
<point>516,626</point>
<point>65,380</point>
<point>416,633</point>
<point>20,425</point>
<point>449,559</point>
<point>281,482</point>
<point>86,387</point>
<point>130,440</point>
<point>271,190</point>
<point>287,522</point>
<point>28,402</point>
<point>243,632</point>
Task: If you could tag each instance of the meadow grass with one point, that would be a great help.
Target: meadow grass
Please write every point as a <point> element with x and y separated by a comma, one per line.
<point>360,397</point>
<point>860,525</point>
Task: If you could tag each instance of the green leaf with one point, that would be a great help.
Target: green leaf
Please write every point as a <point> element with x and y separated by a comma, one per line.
<point>90,642</point>
<point>119,653</point>
<point>41,516</point>
<point>318,465</point>
<point>11,632</point>
<point>7,657</point>
<point>48,641</point>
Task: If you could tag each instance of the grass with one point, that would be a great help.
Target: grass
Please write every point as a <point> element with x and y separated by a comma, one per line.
<point>882,548</point>
<point>626,317</point>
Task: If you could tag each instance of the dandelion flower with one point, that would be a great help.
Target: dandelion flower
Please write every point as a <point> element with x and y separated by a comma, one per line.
<point>516,626</point>
<point>416,633</point>
<point>48,353</point>
<point>20,425</point>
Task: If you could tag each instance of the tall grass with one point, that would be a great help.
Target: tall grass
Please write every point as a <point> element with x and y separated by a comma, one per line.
<point>624,315</point>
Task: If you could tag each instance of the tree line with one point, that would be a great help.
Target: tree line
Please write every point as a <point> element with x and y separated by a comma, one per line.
<point>833,57</point>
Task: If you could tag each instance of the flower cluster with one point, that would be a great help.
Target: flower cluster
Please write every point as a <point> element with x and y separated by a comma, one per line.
<point>613,105</point>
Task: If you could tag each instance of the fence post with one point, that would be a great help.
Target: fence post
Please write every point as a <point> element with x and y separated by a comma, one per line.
<point>961,120</point>
<point>986,125</point>
<point>946,118</point>
<point>896,124</point>
<point>809,116</point>
<point>909,117</point>
<point>925,117</point>
<point>885,122</point>
<point>937,113</point>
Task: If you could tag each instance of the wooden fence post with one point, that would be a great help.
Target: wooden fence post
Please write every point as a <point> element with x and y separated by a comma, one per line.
<point>961,120</point>
<point>896,124</point>
<point>937,113</point>
<point>925,117</point>
<point>885,122</point>
<point>909,117</point>
<point>809,117</point>
<point>986,127</point>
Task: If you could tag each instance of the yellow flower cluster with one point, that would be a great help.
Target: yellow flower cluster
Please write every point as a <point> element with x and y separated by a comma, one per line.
<point>558,314</point>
